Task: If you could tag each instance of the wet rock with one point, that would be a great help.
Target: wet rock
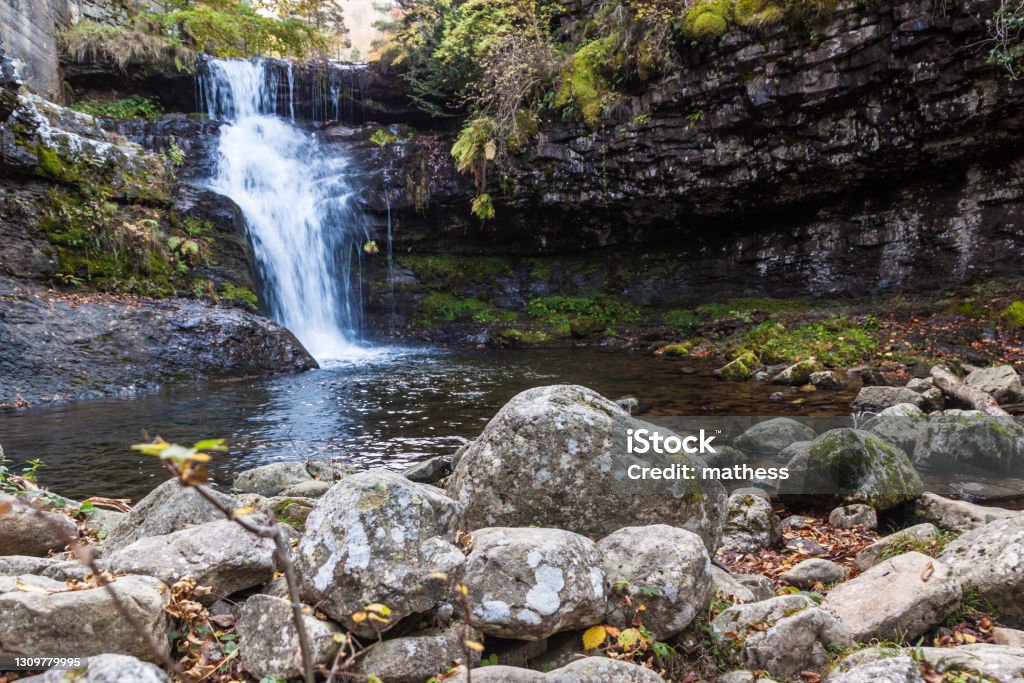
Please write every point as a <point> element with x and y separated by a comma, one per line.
<point>527,584</point>
<point>1001,381</point>
<point>825,379</point>
<point>377,537</point>
<point>903,597</point>
<point>956,515</point>
<point>307,489</point>
<point>854,467</point>
<point>850,516</point>
<point>773,436</point>
<point>741,368</point>
<point>896,543</point>
<point>221,555</point>
<point>898,425</point>
<point>989,559</point>
<point>967,438</point>
<point>271,480</point>
<point>105,669</point>
<point>430,471</point>
<point>793,635</point>
<point>557,456</point>
<point>416,658</point>
<point>26,529</point>
<point>269,641</point>
<point>797,374</point>
<point>52,619</point>
<point>895,669</point>
<point>876,399</point>
<point>167,508</point>
<point>751,524</point>
<point>664,568</point>
<point>810,573</point>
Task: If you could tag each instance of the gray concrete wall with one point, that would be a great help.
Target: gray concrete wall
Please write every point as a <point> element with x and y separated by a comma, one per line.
<point>29,30</point>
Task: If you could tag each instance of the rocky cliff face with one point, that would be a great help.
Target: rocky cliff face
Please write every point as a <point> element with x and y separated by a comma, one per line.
<point>870,154</point>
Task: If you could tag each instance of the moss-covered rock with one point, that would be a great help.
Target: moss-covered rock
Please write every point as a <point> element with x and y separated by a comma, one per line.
<point>797,374</point>
<point>741,368</point>
<point>853,466</point>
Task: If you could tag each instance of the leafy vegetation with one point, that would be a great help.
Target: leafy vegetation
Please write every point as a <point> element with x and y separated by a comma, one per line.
<point>834,341</point>
<point>1006,31</point>
<point>134,107</point>
<point>508,64</point>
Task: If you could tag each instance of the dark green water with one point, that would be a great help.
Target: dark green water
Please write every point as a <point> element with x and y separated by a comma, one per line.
<point>390,410</point>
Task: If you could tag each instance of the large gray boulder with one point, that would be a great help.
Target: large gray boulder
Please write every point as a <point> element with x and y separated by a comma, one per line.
<point>270,480</point>
<point>969,438</point>
<point>416,658</point>
<point>42,616</point>
<point>527,584</point>
<point>105,669</point>
<point>783,636</point>
<point>877,399</point>
<point>898,425</point>
<point>896,669</point>
<point>956,515</point>
<point>557,456</point>
<point>772,436</point>
<point>853,515</point>
<point>269,641</point>
<point>903,597</point>
<point>1002,381</point>
<point>664,568</point>
<point>220,555</point>
<point>26,529</point>
<point>377,537</point>
<point>853,466</point>
<point>990,559</point>
<point>751,524</point>
<point>49,567</point>
<point>167,508</point>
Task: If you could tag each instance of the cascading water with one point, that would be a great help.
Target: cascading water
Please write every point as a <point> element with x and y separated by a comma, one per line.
<point>295,197</point>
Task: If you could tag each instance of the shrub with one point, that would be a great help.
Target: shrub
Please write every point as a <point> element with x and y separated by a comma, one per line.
<point>134,107</point>
<point>1013,316</point>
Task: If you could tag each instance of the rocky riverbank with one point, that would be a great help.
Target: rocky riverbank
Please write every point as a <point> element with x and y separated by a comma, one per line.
<point>532,563</point>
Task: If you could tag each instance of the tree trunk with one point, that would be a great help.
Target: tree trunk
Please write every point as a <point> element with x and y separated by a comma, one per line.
<point>976,398</point>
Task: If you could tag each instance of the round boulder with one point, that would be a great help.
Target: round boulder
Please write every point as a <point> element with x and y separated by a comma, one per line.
<point>751,524</point>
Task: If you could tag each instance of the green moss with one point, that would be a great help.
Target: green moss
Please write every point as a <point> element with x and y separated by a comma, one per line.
<point>707,21</point>
<point>443,307</point>
<point>1013,316</point>
<point>835,341</point>
<point>583,88</point>
<point>683,320</point>
<point>740,368</point>
<point>758,13</point>
<point>562,313</point>
<point>243,295</point>
<point>675,349</point>
<point>454,273</point>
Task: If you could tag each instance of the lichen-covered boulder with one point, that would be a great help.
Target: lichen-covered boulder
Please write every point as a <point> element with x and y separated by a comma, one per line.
<point>751,524</point>
<point>917,535</point>
<point>853,466</point>
<point>167,508</point>
<point>898,425</point>
<point>773,436</point>
<point>557,456</point>
<point>418,657</point>
<point>52,618</point>
<point>1002,381</point>
<point>220,555</point>
<point>970,438</point>
<point>797,374</point>
<point>740,368</point>
<point>29,530</point>
<point>269,641</point>
<point>812,572</point>
<point>990,559</point>
<point>528,583</point>
<point>105,669</point>
<point>902,597</point>
<point>783,636</point>
<point>377,537</point>
<point>666,569</point>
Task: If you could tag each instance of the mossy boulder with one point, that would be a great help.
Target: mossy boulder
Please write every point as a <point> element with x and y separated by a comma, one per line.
<point>741,368</point>
<point>968,438</point>
<point>853,466</point>
<point>797,374</point>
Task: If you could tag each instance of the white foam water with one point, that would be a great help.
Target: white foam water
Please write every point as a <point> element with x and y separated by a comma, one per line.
<point>298,206</point>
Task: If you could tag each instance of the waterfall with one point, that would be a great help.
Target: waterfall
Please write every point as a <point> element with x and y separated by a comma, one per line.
<point>294,193</point>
